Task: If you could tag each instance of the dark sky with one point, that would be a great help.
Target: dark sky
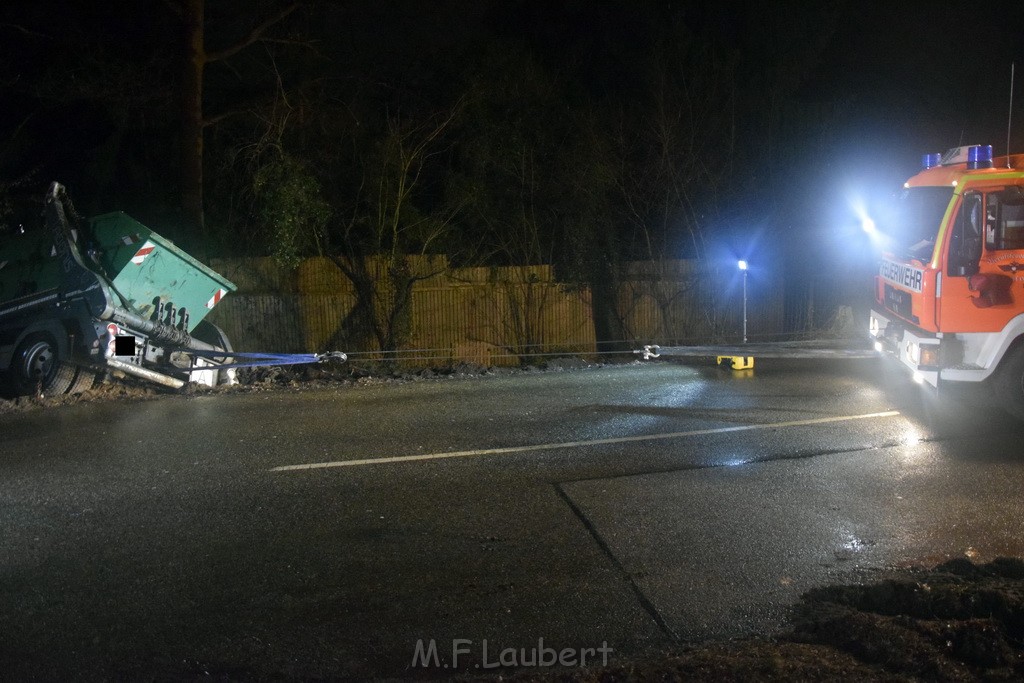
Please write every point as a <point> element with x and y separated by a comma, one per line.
<point>943,64</point>
<point>903,77</point>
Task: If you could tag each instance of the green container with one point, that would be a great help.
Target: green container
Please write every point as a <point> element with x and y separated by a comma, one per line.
<point>148,269</point>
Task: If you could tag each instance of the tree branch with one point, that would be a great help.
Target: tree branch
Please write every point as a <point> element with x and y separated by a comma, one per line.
<point>175,8</point>
<point>253,35</point>
<point>26,31</point>
<point>213,120</point>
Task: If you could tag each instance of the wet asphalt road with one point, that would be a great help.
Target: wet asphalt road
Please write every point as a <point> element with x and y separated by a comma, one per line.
<point>641,506</point>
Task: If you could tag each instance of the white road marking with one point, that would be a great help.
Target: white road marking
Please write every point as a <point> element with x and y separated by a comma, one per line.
<point>577,444</point>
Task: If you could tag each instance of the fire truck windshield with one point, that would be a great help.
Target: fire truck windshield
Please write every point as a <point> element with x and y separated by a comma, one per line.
<point>913,222</point>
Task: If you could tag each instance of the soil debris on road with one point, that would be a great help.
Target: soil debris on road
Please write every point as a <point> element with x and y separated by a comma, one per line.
<point>293,377</point>
<point>960,621</point>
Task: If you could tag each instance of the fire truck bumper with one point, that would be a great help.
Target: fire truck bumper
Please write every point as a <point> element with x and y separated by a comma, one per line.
<point>916,350</point>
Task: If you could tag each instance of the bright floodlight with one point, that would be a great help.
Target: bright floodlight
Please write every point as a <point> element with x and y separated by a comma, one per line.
<point>742,265</point>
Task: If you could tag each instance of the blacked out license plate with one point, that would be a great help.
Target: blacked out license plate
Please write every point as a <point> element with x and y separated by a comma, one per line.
<point>899,302</point>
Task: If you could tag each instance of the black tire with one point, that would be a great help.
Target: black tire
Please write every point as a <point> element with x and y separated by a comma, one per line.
<point>83,381</point>
<point>37,367</point>
<point>207,332</point>
<point>1010,382</point>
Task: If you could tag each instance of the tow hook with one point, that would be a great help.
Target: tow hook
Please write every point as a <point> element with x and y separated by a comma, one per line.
<point>650,351</point>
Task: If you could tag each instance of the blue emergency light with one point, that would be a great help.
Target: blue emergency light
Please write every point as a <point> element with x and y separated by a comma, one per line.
<point>979,156</point>
<point>931,160</point>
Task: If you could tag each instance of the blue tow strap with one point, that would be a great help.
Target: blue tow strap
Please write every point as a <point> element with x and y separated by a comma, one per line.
<point>256,360</point>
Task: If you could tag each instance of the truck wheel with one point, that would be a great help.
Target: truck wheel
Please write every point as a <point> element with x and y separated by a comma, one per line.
<point>83,381</point>
<point>211,334</point>
<point>37,368</point>
<point>1010,382</point>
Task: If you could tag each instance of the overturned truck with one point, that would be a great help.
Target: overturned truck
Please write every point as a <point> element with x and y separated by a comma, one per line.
<point>106,297</point>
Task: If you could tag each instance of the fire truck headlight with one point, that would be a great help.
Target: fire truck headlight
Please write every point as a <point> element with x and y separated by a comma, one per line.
<point>918,377</point>
<point>913,353</point>
<point>867,223</point>
<point>878,346</point>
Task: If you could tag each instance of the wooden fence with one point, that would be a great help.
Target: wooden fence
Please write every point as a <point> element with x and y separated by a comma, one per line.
<point>494,316</point>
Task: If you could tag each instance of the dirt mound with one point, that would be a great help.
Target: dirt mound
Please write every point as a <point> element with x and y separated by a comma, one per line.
<point>109,391</point>
<point>326,374</point>
<point>957,622</point>
<point>290,377</point>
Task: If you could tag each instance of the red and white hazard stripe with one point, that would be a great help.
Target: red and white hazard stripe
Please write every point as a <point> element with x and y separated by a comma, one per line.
<point>143,252</point>
<point>217,296</point>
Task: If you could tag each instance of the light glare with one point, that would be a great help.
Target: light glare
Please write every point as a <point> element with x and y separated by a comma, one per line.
<point>742,265</point>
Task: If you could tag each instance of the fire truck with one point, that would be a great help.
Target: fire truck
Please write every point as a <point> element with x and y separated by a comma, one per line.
<point>949,293</point>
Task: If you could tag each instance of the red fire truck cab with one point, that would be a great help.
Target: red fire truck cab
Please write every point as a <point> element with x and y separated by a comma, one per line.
<point>949,293</point>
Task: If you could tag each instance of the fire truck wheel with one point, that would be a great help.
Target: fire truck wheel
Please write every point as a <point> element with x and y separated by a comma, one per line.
<point>1010,382</point>
<point>37,369</point>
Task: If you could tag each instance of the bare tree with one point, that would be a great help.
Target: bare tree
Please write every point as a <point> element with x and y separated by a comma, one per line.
<point>519,236</point>
<point>672,163</point>
<point>194,59</point>
<point>388,228</point>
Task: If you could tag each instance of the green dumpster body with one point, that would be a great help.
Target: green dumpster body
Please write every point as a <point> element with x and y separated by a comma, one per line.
<point>147,269</point>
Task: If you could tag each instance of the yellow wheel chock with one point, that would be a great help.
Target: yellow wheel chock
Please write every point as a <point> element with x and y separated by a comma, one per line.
<point>736,362</point>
